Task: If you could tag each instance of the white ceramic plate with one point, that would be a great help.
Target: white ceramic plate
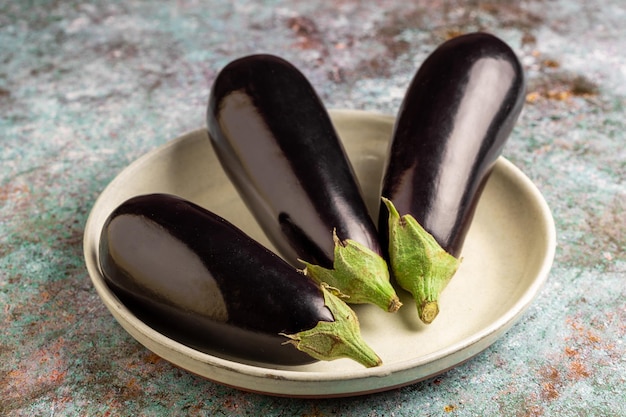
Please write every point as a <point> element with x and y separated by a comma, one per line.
<point>507,256</point>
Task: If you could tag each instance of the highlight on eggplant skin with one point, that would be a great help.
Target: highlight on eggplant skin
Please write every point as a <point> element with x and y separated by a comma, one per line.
<point>456,116</point>
<point>200,280</point>
<point>278,146</point>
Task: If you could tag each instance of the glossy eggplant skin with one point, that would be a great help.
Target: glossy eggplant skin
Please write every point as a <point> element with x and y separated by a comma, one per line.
<point>454,120</point>
<point>279,147</point>
<point>198,279</point>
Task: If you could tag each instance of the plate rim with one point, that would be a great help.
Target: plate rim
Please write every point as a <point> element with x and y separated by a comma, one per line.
<point>464,349</point>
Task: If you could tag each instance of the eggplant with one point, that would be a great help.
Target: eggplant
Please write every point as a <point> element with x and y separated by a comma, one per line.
<point>455,118</point>
<point>278,146</point>
<point>200,280</point>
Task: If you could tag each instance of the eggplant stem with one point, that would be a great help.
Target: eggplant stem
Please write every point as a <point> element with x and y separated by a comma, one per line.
<point>359,273</point>
<point>418,263</point>
<point>430,309</point>
<point>338,339</point>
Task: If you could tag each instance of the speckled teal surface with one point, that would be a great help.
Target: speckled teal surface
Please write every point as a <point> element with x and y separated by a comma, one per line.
<point>85,88</point>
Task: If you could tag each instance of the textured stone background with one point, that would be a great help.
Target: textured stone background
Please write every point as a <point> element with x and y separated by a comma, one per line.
<point>86,88</point>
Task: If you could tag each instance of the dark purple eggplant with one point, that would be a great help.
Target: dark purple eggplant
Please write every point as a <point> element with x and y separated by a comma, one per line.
<point>277,144</point>
<point>198,279</point>
<point>454,120</point>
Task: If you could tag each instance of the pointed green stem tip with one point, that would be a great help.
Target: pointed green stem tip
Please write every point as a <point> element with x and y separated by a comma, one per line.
<point>338,339</point>
<point>419,264</point>
<point>359,273</point>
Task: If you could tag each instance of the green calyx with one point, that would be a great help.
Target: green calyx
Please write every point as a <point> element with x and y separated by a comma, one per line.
<point>359,273</point>
<point>419,264</point>
<point>337,339</point>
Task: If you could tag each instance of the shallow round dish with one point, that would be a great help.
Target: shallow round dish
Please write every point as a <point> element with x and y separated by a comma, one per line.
<point>506,259</point>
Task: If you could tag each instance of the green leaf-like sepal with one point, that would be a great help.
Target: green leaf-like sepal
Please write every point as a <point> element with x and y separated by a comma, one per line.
<point>359,273</point>
<point>419,264</point>
<point>338,339</point>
